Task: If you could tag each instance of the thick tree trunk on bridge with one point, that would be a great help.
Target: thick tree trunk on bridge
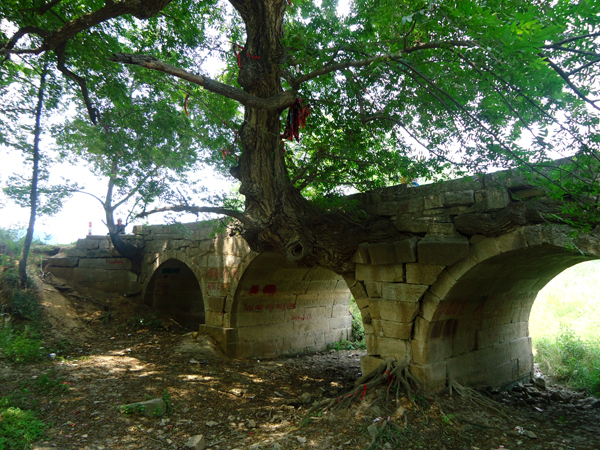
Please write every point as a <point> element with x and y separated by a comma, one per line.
<point>280,219</point>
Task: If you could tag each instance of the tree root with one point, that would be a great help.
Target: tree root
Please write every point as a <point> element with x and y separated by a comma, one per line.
<point>475,397</point>
<point>395,374</point>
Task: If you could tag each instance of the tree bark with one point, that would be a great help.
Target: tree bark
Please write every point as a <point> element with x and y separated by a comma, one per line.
<point>33,196</point>
<point>281,220</point>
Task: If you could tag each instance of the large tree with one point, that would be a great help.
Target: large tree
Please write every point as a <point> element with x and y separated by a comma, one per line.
<point>394,88</point>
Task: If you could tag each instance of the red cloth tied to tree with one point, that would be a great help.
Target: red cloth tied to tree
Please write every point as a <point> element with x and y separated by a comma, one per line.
<point>296,119</point>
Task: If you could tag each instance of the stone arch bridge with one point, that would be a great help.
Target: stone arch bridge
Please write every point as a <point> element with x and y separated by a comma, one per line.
<point>455,292</point>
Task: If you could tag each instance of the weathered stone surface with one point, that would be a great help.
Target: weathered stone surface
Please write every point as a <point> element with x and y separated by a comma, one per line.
<point>397,252</point>
<point>442,250</point>
<point>396,330</point>
<point>62,262</point>
<point>196,442</point>
<point>89,244</point>
<point>398,311</point>
<point>422,273</point>
<point>403,292</point>
<point>371,272</point>
<point>459,198</point>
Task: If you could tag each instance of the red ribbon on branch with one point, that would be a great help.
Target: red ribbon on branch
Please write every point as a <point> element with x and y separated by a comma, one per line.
<point>238,54</point>
<point>296,119</point>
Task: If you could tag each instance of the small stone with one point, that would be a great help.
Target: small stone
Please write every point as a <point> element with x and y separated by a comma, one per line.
<point>373,431</point>
<point>211,424</point>
<point>276,446</point>
<point>301,440</point>
<point>251,424</point>
<point>530,434</point>
<point>196,442</point>
<point>306,398</point>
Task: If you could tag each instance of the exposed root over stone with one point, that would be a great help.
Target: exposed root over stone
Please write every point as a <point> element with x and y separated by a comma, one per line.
<point>475,397</point>
<point>395,374</point>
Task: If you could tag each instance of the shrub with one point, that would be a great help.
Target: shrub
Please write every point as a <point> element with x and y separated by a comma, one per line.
<point>18,428</point>
<point>20,346</point>
<point>571,359</point>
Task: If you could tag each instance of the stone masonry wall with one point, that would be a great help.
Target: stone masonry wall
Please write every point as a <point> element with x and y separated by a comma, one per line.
<point>94,263</point>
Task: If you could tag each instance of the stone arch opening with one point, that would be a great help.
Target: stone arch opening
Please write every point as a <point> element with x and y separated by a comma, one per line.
<point>478,334</point>
<point>280,308</point>
<point>175,291</point>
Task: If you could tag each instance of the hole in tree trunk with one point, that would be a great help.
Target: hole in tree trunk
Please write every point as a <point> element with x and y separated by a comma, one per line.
<point>297,250</point>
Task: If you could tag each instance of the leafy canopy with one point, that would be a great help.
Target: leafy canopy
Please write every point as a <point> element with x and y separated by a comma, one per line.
<point>397,88</point>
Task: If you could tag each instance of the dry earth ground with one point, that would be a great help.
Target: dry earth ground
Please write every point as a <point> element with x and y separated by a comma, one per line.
<point>108,361</point>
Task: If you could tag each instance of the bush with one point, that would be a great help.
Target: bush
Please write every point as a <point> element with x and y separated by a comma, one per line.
<point>18,428</point>
<point>20,346</point>
<point>571,359</point>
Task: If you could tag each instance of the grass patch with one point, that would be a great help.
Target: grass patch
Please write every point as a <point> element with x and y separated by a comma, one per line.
<point>18,428</point>
<point>357,336</point>
<point>20,346</point>
<point>565,330</point>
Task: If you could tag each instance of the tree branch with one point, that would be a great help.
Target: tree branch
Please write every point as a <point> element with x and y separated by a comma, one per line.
<point>575,89</point>
<point>571,39</point>
<point>60,65</point>
<point>387,57</point>
<point>53,39</point>
<point>199,209</point>
<point>276,102</point>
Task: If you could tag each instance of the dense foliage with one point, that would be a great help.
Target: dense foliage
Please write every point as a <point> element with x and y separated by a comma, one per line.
<point>396,90</point>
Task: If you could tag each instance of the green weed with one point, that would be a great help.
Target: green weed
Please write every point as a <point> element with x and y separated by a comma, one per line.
<point>20,347</point>
<point>147,321</point>
<point>571,359</point>
<point>168,401</point>
<point>50,384</point>
<point>18,428</point>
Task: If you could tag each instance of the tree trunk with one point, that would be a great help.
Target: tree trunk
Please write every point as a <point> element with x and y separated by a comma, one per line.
<point>281,219</point>
<point>125,249</point>
<point>34,181</point>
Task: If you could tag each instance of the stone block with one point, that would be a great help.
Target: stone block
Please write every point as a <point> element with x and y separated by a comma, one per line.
<point>443,284</point>
<point>421,329</point>
<point>417,273</point>
<point>393,348</point>
<point>337,323</point>
<point>339,298</point>
<point>408,223</point>
<point>403,292</point>
<point>118,264</point>
<point>62,272</point>
<point>340,310</point>
<point>496,198</point>
<point>433,201</point>
<point>373,288</point>
<point>88,244</point>
<point>78,252</point>
<point>362,254</point>
<point>442,250</point>
<point>255,319</point>
<point>406,250</point>
<point>369,363</point>
<point>93,263</point>
<point>372,342</point>
<point>371,272</point>
<point>396,330</point>
<point>71,261</point>
<point>431,351</point>
<point>382,254</point>
<point>318,274</point>
<point>431,376</point>
<point>429,306</point>
<point>398,311</point>
<point>405,205</point>
<point>441,229</point>
<point>215,304</point>
<point>321,286</point>
<point>459,198</point>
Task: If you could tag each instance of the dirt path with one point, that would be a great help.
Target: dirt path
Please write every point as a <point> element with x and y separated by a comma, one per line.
<point>251,404</point>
